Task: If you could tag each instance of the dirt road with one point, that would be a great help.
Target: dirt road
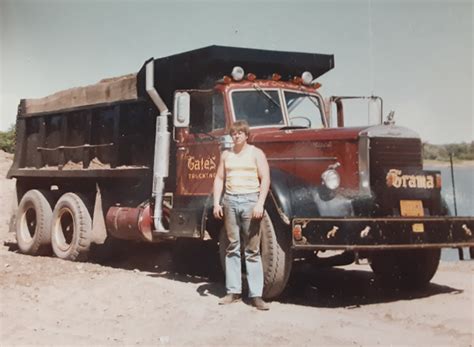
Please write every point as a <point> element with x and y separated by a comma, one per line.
<point>142,299</point>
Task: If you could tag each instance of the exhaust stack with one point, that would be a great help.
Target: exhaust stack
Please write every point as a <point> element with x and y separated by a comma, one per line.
<point>162,148</point>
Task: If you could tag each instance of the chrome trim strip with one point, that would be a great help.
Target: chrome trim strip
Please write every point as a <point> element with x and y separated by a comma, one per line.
<point>364,164</point>
<point>389,131</point>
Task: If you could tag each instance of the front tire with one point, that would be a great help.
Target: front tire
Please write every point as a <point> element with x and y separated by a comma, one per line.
<point>409,268</point>
<point>33,223</point>
<point>71,228</point>
<point>277,257</point>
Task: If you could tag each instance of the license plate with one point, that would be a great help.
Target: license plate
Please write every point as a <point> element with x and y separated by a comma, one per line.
<point>411,208</point>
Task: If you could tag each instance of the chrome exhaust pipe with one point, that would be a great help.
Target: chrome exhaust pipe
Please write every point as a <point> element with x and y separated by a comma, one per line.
<point>161,156</point>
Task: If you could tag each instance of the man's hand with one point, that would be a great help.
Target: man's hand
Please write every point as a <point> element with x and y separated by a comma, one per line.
<point>218,213</point>
<point>257,212</point>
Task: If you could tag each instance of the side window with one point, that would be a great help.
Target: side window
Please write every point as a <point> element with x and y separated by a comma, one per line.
<point>207,111</point>
<point>218,116</point>
<point>201,112</point>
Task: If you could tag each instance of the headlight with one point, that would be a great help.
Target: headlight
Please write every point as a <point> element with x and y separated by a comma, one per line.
<point>331,179</point>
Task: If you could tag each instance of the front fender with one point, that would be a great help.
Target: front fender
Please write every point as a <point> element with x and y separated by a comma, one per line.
<point>296,198</point>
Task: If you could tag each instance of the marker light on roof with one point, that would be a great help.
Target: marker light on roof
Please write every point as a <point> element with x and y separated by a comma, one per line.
<point>296,80</point>
<point>251,77</point>
<point>237,73</point>
<point>276,77</point>
<point>307,78</point>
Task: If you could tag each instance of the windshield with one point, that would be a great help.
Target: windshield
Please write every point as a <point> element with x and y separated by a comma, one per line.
<point>261,107</point>
<point>258,107</point>
<point>304,110</point>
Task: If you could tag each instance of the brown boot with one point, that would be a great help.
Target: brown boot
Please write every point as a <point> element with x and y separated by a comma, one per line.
<point>260,304</point>
<point>229,299</point>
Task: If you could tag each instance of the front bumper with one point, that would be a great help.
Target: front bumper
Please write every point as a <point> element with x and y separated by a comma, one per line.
<point>383,233</point>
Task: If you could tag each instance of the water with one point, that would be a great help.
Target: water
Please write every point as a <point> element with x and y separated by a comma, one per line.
<point>464,183</point>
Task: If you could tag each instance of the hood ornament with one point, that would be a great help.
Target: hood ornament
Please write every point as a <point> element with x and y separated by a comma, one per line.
<point>390,118</point>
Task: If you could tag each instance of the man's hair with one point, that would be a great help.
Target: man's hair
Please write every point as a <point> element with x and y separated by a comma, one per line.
<point>240,125</point>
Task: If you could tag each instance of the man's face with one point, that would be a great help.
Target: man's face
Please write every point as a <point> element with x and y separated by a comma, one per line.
<point>239,137</point>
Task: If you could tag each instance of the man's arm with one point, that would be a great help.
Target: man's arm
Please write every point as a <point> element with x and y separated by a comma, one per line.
<point>218,188</point>
<point>264,176</point>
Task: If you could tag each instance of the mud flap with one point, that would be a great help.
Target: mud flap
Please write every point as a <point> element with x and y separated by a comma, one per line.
<point>99,230</point>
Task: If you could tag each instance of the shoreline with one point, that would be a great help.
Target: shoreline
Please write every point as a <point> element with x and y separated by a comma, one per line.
<point>460,163</point>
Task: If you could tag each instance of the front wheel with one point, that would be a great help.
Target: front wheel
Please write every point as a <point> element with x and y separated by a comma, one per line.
<point>408,268</point>
<point>275,249</point>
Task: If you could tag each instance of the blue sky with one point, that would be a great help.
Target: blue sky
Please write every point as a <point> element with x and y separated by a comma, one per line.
<point>417,55</point>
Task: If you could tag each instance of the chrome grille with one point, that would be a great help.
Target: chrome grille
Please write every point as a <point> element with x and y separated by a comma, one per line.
<point>393,153</point>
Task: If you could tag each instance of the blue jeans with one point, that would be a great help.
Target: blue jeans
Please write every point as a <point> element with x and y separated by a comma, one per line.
<point>238,221</point>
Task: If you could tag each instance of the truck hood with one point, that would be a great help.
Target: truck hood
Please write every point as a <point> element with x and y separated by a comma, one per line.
<point>329,134</point>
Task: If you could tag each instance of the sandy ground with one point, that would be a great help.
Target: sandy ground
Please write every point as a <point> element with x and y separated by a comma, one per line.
<point>142,298</point>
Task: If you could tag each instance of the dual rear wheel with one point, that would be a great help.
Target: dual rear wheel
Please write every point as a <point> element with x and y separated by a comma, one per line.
<point>66,229</point>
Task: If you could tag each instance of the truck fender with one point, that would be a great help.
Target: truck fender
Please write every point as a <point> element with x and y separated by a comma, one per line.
<point>294,197</point>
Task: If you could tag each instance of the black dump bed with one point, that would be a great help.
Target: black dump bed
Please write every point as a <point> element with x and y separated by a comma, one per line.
<point>201,68</point>
<point>107,129</point>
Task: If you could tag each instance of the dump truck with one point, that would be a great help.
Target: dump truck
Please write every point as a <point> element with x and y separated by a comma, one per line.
<point>134,158</point>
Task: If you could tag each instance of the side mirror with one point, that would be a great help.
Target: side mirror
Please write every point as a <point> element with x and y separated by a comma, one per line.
<point>340,111</point>
<point>375,110</point>
<point>182,102</point>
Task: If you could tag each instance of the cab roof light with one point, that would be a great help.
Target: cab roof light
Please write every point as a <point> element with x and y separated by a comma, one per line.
<point>317,85</point>
<point>276,77</point>
<point>307,78</point>
<point>226,79</point>
<point>251,77</point>
<point>237,73</point>
<point>296,80</point>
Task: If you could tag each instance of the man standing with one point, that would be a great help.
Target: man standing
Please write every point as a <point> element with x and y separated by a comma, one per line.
<point>244,173</point>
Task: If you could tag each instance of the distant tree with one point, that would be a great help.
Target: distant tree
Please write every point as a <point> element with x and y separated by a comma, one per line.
<point>7,140</point>
<point>460,151</point>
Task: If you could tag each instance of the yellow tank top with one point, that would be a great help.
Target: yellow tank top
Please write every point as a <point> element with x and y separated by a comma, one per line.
<point>241,173</point>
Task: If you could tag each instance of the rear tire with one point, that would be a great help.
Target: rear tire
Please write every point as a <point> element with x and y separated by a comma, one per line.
<point>33,223</point>
<point>71,228</point>
<point>275,250</point>
<point>406,269</point>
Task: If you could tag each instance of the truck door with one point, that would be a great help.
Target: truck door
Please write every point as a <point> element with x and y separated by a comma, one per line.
<point>198,149</point>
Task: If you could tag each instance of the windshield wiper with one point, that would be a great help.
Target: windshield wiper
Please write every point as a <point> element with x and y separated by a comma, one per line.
<point>269,97</point>
<point>311,98</point>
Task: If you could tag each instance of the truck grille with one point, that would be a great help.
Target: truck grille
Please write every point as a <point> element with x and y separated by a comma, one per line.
<point>393,153</point>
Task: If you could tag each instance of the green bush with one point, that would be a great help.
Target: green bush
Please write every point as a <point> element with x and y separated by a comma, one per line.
<point>460,151</point>
<point>7,140</point>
